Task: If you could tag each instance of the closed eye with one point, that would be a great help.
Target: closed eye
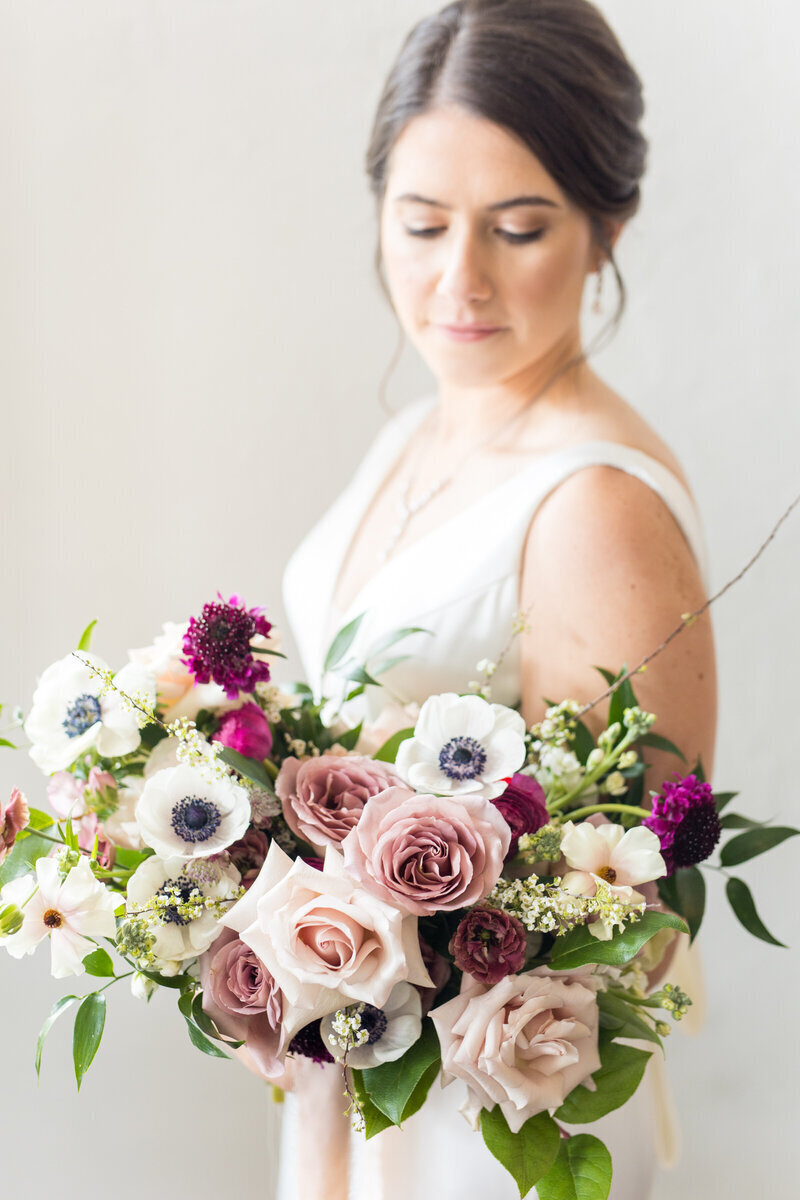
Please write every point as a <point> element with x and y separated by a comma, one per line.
<point>533,236</point>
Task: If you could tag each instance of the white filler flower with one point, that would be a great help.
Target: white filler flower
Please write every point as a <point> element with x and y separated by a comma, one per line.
<point>183,812</point>
<point>384,1033</point>
<point>70,911</point>
<point>462,745</point>
<point>69,716</point>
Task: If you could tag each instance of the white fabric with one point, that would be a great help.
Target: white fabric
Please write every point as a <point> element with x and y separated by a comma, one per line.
<point>461,581</point>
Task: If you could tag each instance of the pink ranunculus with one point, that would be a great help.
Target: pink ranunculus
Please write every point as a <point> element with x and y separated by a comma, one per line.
<point>325,940</point>
<point>323,797</point>
<point>245,730</point>
<point>14,816</point>
<point>426,853</point>
<point>100,790</point>
<point>489,944</point>
<point>523,806</point>
<point>249,853</point>
<point>244,1002</point>
<point>523,1043</point>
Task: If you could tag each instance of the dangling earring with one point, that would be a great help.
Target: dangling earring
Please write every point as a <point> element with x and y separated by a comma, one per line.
<point>596,306</point>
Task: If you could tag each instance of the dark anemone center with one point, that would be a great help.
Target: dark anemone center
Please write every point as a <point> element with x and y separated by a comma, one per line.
<point>374,1021</point>
<point>696,836</point>
<point>195,819</point>
<point>462,758</point>
<point>82,714</point>
<point>184,888</point>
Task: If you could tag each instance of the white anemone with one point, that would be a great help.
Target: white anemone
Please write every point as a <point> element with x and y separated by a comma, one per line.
<point>621,858</point>
<point>462,745</point>
<point>71,911</point>
<point>69,716</point>
<point>183,812</point>
<point>392,1029</point>
<point>178,938</point>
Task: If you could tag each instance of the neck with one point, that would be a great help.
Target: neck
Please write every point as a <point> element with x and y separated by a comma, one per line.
<point>469,413</point>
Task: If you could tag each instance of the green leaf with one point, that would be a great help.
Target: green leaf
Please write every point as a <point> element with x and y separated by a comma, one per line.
<point>391,1085</point>
<point>40,820</point>
<point>420,1092</point>
<point>248,767</point>
<point>6,742</point>
<point>699,770</point>
<point>618,1078</point>
<point>89,1022</point>
<point>582,1171</point>
<point>578,947</point>
<point>391,639</point>
<point>386,664</point>
<point>743,905</point>
<point>167,981</point>
<point>23,857</point>
<point>207,1026</point>
<point>737,821</point>
<point>99,963</point>
<point>58,1008</point>
<point>624,697</point>
<point>388,751</point>
<point>755,841</point>
<point>342,642</point>
<point>350,737</point>
<point>203,1043</point>
<point>86,637</point>
<point>660,743</point>
<point>527,1155</point>
<point>583,744</point>
<point>723,798</point>
<point>622,1020</point>
<point>685,893</point>
<point>374,1120</point>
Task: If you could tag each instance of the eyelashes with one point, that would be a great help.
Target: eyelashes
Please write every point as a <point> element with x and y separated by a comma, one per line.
<point>514,238</point>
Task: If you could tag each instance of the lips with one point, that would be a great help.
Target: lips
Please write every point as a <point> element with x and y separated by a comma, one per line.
<point>468,333</point>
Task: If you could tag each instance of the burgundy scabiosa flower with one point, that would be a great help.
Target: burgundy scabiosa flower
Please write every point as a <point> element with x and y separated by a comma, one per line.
<point>308,1043</point>
<point>523,807</point>
<point>684,817</point>
<point>216,646</point>
<point>489,944</point>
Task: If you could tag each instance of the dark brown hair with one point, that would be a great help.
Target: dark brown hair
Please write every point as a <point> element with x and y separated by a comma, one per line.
<point>550,71</point>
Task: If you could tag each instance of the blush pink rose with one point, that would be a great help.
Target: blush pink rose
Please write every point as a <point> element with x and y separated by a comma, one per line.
<point>245,730</point>
<point>323,797</point>
<point>427,853</point>
<point>14,816</point>
<point>244,1002</point>
<point>325,941</point>
<point>523,1043</point>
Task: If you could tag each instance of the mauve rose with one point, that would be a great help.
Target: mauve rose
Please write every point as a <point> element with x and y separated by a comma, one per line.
<point>14,816</point>
<point>243,1000</point>
<point>523,1043</point>
<point>439,970</point>
<point>427,853</point>
<point>323,797</point>
<point>489,944</point>
<point>249,853</point>
<point>245,730</point>
<point>523,806</point>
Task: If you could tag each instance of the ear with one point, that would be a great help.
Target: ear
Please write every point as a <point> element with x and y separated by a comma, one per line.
<point>612,228</point>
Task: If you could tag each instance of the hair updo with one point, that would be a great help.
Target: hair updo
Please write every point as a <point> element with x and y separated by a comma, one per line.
<point>550,71</point>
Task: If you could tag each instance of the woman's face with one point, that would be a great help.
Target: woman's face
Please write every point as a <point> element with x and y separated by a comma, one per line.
<point>460,247</point>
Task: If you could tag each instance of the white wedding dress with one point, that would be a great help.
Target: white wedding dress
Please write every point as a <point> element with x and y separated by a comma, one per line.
<point>461,581</point>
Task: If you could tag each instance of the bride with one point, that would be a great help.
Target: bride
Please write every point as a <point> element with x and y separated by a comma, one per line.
<point>505,160</point>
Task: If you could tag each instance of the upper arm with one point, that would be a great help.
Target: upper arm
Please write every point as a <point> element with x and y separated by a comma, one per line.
<point>606,575</point>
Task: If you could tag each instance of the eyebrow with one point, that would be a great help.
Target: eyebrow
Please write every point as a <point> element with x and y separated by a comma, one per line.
<point>515,202</point>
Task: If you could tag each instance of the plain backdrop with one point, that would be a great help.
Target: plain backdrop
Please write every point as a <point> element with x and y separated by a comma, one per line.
<point>192,344</point>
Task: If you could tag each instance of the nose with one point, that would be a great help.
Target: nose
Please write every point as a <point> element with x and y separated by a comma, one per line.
<point>464,278</point>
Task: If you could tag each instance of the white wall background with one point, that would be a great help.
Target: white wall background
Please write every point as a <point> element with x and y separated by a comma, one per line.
<point>191,347</point>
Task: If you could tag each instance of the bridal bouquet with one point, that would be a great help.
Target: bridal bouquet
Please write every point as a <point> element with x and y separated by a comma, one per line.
<point>444,891</point>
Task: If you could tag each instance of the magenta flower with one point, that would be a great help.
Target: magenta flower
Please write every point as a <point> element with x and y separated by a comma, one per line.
<point>489,944</point>
<point>685,819</point>
<point>523,806</point>
<point>216,646</point>
<point>245,730</point>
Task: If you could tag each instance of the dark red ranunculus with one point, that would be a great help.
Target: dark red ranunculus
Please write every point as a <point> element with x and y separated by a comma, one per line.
<point>523,806</point>
<point>489,944</point>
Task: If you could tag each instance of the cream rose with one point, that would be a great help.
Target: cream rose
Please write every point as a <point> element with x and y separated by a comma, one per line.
<point>324,939</point>
<point>524,1043</point>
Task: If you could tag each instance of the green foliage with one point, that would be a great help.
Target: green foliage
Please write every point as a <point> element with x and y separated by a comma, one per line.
<point>58,1008</point>
<point>583,744</point>
<point>388,751</point>
<point>249,768</point>
<point>743,905</point>
<point>6,742</point>
<point>723,798</point>
<point>660,743</point>
<point>391,1085</point>
<point>618,1078</point>
<point>206,1025</point>
<point>620,1019</point>
<point>578,947</point>
<point>89,1023</point>
<point>623,697</point>
<point>342,642</point>
<point>756,841</point>
<point>196,1035</point>
<point>582,1171</point>
<point>23,857</point>
<point>39,820</point>
<point>685,893</point>
<point>86,637</point>
<point>391,639</point>
<point>527,1155</point>
<point>99,964</point>
<point>349,738</point>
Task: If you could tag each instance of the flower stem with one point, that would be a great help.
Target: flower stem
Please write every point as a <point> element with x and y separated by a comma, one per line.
<point>592,776</point>
<point>630,809</point>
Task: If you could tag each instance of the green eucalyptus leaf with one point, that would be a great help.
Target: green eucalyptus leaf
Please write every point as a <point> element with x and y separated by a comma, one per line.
<point>685,893</point>
<point>89,1022</point>
<point>743,905</point>
<point>99,964</point>
<point>617,1079</point>
<point>578,947</point>
<point>388,751</point>
<point>391,1085</point>
<point>342,642</point>
<point>756,841</point>
<point>527,1155</point>
<point>582,1171</point>
<point>58,1008</point>
<point>86,637</point>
